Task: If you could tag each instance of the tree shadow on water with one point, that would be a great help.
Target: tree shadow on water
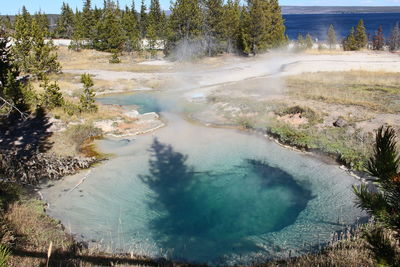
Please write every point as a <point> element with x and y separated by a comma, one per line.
<point>189,226</point>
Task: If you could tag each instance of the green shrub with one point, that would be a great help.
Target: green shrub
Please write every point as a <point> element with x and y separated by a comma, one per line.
<point>87,97</point>
<point>4,255</point>
<point>71,108</point>
<point>114,59</point>
<point>52,96</point>
<point>245,122</point>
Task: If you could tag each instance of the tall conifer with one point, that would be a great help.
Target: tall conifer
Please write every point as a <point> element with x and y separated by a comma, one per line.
<point>65,22</point>
<point>331,37</point>
<point>360,35</point>
<point>231,25</point>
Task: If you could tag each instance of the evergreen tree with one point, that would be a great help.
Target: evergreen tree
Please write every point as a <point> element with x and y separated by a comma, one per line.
<point>243,38</point>
<point>164,31</point>
<point>42,58</point>
<point>43,23</point>
<point>110,35</point>
<point>22,37</point>
<point>394,40</point>
<point>378,41</point>
<point>143,19</point>
<point>360,35</point>
<point>131,30</point>
<point>11,89</point>
<point>155,13</point>
<point>88,22</point>
<point>301,42</point>
<point>87,98</point>
<point>52,96</point>
<point>78,33</point>
<point>308,41</point>
<point>152,39</point>
<point>277,27</point>
<point>65,22</point>
<point>264,26</point>
<point>212,24</point>
<point>350,43</point>
<point>257,24</point>
<point>185,24</point>
<point>231,25</point>
<point>6,24</point>
<point>384,203</point>
<point>331,37</point>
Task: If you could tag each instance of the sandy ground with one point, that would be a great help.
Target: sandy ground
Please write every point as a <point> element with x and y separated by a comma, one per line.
<point>222,70</point>
<point>258,78</point>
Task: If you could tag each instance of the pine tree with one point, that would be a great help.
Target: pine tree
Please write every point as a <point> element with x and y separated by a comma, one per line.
<point>87,100</point>
<point>88,22</point>
<point>131,30</point>
<point>22,36</point>
<point>186,25</point>
<point>277,27</point>
<point>394,40</point>
<point>350,43</point>
<point>231,25</point>
<point>43,22</point>
<point>110,35</point>
<point>52,96</point>
<point>360,35</point>
<point>65,22</point>
<point>152,39</point>
<point>264,26</point>
<point>42,58</point>
<point>78,33</point>
<point>143,19</point>
<point>243,38</point>
<point>301,42</point>
<point>11,89</point>
<point>378,41</point>
<point>308,41</point>
<point>383,203</point>
<point>212,24</point>
<point>331,37</point>
<point>257,25</point>
<point>155,14</point>
<point>6,24</point>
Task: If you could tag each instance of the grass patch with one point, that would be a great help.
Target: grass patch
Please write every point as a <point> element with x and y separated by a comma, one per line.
<point>376,91</point>
<point>337,142</point>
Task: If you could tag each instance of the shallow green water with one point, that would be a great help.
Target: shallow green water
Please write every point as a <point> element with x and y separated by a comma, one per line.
<point>145,102</point>
<point>205,195</point>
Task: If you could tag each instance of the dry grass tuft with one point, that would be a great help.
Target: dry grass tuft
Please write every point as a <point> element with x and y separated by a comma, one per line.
<point>376,91</point>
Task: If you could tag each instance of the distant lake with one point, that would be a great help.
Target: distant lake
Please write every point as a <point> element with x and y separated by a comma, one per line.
<point>317,24</point>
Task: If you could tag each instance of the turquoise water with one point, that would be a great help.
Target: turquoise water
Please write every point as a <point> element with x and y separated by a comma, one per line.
<point>145,102</point>
<point>209,195</point>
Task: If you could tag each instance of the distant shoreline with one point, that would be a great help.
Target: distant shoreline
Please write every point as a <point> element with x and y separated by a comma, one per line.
<point>308,10</point>
<point>304,10</point>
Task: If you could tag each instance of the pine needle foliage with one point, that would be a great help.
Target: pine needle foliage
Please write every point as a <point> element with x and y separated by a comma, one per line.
<point>87,100</point>
<point>383,200</point>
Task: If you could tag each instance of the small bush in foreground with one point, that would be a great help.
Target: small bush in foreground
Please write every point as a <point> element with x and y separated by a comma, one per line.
<point>4,255</point>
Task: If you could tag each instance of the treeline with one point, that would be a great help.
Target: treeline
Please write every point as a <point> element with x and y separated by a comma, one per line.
<point>357,39</point>
<point>198,27</point>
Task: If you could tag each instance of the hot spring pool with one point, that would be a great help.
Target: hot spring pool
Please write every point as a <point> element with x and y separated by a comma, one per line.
<point>201,194</point>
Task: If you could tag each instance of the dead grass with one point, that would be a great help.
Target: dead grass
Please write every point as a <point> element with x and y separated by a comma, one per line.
<point>344,254</point>
<point>34,230</point>
<point>376,91</point>
<point>92,59</point>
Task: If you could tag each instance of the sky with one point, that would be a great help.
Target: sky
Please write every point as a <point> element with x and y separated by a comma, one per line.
<point>10,7</point>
